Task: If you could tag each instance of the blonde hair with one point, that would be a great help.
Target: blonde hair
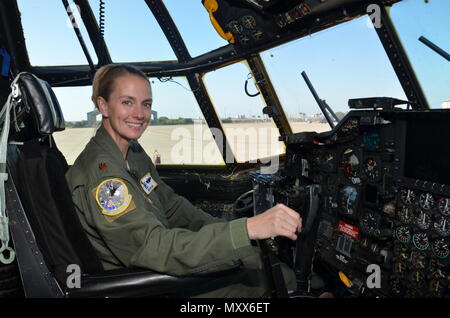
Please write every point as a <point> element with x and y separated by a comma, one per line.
<point>103,82</point>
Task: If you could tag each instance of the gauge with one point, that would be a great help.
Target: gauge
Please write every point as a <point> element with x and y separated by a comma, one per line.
<point>423,220</point>
<point>417,278</point>
<point>405,214</point>
<point>399,268</point>
<point>235,27</point>
<point>444,206</point>
<point>403,234</point>
<point>328,163</point>
<point>349,197</point>
<point>440,248</point>
<point>418,259</point>
<point>442,226</point>
<point>349,127</point>
<point>420,241</point>
<point>401,252</point>
<point>396,286</point>
<point>426,201</point>
<point>436,288</point>
<point>437,268</point>
<point>389,208</point>
<point>369,222</point>
<point>407,196</point>
<point>330,184</point>
<point>350,163</point>
<point>372,169</point>
<point>248,21</point>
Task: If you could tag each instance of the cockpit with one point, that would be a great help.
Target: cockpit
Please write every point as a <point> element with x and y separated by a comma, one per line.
<point>336,108</point>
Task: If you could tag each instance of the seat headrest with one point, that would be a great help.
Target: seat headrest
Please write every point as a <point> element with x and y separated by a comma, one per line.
<point>38,112</point>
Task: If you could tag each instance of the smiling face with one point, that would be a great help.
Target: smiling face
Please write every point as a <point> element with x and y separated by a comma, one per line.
<point>126,111</point>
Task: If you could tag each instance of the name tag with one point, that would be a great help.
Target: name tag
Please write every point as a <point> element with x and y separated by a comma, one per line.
<point>148,183</point>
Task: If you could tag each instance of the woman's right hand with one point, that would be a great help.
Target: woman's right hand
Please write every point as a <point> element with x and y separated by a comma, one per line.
<point>279,220</point>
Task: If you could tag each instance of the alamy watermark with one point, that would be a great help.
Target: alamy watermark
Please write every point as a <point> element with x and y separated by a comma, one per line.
<point>74,278</point>
<point>208,146</point>
<point>374,13</point>
<point>374,279</point>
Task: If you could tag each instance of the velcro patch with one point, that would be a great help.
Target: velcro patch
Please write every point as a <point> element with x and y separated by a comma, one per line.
<point>148,183</point>
<point>112,197</point>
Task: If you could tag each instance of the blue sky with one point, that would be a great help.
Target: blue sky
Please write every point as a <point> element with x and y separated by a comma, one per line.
<point>345,62</point>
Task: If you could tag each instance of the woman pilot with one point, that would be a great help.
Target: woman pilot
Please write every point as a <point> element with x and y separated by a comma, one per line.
<point>133,219</point>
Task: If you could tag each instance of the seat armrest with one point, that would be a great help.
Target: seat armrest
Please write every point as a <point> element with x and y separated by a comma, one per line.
<point>143,283</point>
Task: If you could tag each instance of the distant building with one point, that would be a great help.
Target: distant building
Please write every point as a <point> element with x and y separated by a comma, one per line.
<point>446,104</point>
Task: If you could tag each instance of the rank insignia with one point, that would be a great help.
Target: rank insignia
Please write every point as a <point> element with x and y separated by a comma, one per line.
<point>112,197</point>
<point>148,183</point>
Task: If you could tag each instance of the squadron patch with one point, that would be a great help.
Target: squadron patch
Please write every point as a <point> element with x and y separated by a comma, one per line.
<point>148,183</point>
<point>112,197</point>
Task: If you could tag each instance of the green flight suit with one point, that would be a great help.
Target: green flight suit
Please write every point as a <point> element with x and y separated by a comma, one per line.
<point>159,230</point>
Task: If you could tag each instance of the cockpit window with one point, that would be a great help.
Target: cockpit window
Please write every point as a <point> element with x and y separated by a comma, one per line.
<point>132,33</point>
<point>178,131</point>
<point>45,21</point>
<point>251,134</point>
<point>430,20</point>
<point>194,34</point>
<point>344,62</point>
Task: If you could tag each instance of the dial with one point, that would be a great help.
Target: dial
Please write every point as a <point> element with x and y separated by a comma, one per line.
<point>399,268</point>
<point>436,288</point>
<point>369,222</point>
<point>423,220</point>
<point>440,248</point>
<point>437,269</point>
<point>418,259</point>
<point>401,252</point>
<point>420,241</point>
<point>330,184</point>
<point>328,162</point>
<point>403,234</point>
<point>444,206</point>
<point>372,169</point>
<point>351,164</point>
<point>248,21</point>
<point>417,278</point>
<point>235,27</point>
<point>407,196</point>
<point>442,226</point>
<point>397,287</point>
<point>405,214</point>
<point>349,197</point>
<point>426,201</point>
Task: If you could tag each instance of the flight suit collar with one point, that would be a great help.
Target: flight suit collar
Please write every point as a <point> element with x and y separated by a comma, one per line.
<point>104,140</point>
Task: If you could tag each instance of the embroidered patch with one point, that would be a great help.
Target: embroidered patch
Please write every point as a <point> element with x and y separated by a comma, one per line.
<point>102,166</point>
<point>148,183</point>
<point>112,197</point>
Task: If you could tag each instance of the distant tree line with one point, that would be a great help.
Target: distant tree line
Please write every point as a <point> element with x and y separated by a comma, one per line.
<point>161,121</point>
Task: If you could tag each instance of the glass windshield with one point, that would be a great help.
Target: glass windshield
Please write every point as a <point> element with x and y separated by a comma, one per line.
<point>413,19</point>
<point>344,62</point>
<point>43,22</point>
<point>132,33</point>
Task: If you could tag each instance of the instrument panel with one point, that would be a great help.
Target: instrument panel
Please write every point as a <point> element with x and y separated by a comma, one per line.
<point>384,203</point>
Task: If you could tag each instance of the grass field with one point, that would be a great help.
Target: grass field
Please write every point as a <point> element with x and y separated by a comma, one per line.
<point>194,144</point>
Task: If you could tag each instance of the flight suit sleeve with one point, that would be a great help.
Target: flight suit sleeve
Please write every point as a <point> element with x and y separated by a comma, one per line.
<point>179,211</point>
<point>139,237</point>
<point>182,213</point>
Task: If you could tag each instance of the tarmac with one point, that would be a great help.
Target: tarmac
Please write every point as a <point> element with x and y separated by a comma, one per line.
<point>194,144</point>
